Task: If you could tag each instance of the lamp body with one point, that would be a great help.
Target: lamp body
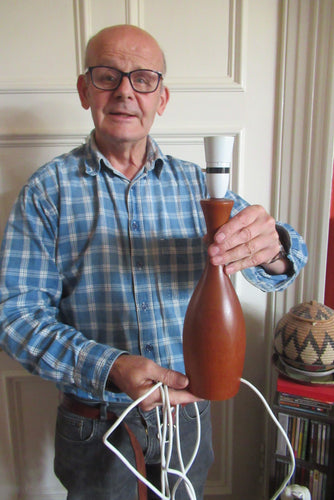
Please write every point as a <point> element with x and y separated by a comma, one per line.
<point>214,338</point>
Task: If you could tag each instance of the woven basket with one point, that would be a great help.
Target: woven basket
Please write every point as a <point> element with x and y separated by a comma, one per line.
<point>304,337</point>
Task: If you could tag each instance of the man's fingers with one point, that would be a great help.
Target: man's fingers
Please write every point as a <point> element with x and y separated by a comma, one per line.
<point>172,379</point>
<point>176,397</point>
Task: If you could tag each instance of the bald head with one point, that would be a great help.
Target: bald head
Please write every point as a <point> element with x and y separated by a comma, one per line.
<point>125,40</point>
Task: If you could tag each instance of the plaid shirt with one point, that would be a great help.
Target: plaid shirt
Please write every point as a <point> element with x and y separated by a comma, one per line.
<point>94,265</point>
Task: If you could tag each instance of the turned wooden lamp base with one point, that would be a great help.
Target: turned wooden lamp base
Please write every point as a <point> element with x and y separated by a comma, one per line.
<point>214,339</point>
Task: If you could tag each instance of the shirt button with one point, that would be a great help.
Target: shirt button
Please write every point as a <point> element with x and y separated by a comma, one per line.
<point>149,348</point>
<point>139,264</point>
<point>144,306</point>
<point>135,225</point>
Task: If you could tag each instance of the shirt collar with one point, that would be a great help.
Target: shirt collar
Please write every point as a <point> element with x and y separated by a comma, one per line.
<point>95,160</point>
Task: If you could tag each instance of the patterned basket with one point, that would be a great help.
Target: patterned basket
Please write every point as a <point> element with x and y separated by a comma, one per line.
<point>304,337</point>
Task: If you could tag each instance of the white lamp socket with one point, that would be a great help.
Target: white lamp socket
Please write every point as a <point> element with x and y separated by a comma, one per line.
<point>218,155</point>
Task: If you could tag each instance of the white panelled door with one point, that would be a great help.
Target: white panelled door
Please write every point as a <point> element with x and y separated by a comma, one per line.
<point>221,70</point>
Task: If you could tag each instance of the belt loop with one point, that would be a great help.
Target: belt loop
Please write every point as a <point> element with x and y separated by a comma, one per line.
<point>103,411</point>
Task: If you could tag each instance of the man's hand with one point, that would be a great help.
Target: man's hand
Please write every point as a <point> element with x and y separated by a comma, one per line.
<point>248,239</point>
<point>135,375</point>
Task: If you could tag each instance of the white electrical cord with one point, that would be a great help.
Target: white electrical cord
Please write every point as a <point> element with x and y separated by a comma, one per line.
<point>292,456</point>
<point>166,444</point>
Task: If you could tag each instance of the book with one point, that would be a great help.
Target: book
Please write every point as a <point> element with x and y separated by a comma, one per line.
<point>327,444</point>
<point>316,392</point>
<point>312,444</point>
<point>304,444</point>
<point>301,403</point>
<point>281,446</point>
<point>315,485</point>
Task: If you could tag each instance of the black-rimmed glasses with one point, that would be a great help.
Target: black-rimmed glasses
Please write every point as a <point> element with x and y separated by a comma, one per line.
<point>144,81</point>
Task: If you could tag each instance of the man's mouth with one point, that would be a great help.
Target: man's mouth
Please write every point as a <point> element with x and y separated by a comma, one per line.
<point>122,114</point>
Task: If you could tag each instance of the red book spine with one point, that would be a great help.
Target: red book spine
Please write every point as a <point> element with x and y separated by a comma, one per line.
<point>317,392</point>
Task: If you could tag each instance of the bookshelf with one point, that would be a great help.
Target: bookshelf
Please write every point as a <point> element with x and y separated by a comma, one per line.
<point>306,412</point>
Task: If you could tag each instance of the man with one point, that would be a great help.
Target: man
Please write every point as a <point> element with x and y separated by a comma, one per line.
<point>100,256</point>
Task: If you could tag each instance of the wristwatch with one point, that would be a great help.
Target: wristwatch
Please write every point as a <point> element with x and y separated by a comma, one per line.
<point>280,255</point>
<point>285,246</point>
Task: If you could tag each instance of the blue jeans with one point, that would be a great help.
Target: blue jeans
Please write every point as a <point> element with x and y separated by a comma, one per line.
<point>90,471</point>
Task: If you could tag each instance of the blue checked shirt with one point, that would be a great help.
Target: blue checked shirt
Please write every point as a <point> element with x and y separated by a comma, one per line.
<point>94,265</point>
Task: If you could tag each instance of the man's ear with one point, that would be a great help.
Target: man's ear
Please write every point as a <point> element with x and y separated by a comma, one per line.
<point>83,91</point>
<point>164,98</point>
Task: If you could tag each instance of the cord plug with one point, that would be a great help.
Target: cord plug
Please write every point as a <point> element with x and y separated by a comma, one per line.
<point>296,492</point>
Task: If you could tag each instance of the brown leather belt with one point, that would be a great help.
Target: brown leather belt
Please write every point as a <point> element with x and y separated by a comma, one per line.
<point>100,412</point>
<point>85,410</point>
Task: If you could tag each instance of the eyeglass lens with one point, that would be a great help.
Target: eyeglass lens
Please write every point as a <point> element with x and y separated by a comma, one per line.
<point>142,80</point>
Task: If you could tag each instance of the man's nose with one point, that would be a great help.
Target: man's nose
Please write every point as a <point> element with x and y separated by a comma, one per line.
<point>125,87</point>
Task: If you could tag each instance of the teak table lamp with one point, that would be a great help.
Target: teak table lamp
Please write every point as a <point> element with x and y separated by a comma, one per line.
<point>214,339</point>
